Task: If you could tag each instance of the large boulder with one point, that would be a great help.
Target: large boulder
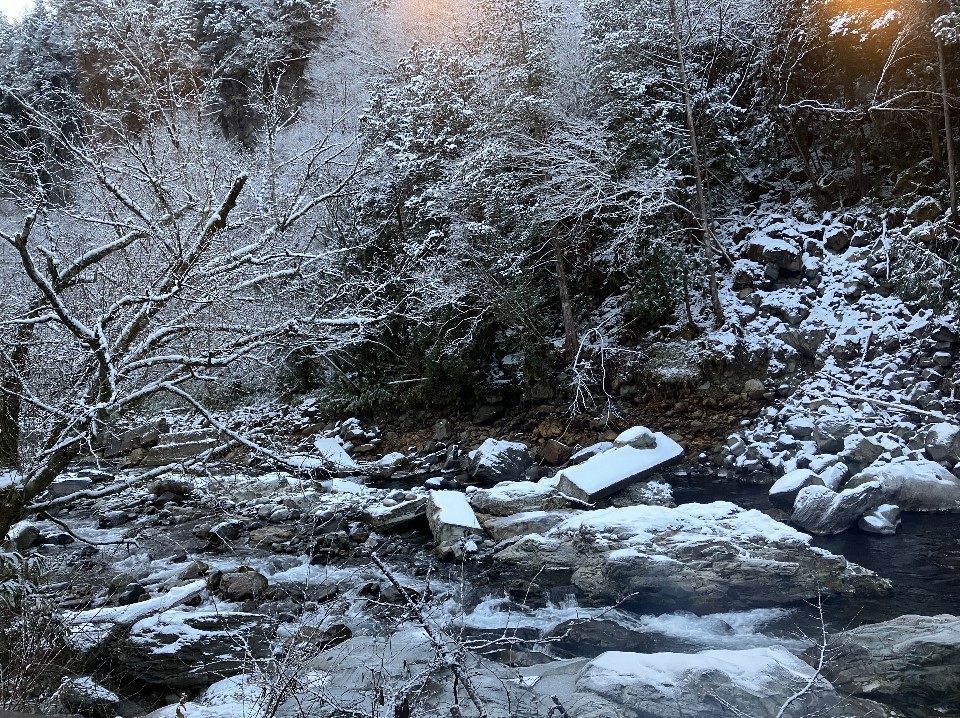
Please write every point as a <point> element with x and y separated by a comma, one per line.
<point>823,511</point>
<point>914,485</point>
<point>756,682</point>
<point>942,442</point>
<point>523,524</point>
<point>784,491</point>
<point>702,557</point>
<point>513,497</point>
<point>637,454</point>
<point>830,431</point>
<point>186,650</point>
<point>450,516</point>
<point>909,661</point>
<point>497,461</point>
<point>770,250</point>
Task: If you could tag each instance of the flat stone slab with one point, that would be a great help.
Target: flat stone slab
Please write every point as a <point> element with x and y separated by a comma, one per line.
<point>613,470</point>
<point>450,516</point>
<point>384,518</point>
<point>524,523</point>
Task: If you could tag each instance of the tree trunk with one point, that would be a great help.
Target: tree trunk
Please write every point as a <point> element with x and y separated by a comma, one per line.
<point>935,150</point>
<point>948,127</point>
<point>704,214</point>
<point>10,390</point>
<point>570,340</point>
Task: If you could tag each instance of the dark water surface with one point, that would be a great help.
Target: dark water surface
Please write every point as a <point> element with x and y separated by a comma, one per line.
<point>922,559</point>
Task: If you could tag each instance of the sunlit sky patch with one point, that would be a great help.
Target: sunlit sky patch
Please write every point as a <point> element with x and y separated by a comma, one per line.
<point>15,9</point>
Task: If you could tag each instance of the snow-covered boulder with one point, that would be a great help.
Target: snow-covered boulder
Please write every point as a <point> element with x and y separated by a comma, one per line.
<point>390,514</point>
<point>914,485</point>
<point>784,492</point>
<point>821,511</point>
<point>885,519</point>
<point>22,536</point>
<point>512,497</point>
<point>450,516</point>
<point>758,682</point>
<point>910,661</point>
<point>800,427</point>
<point>68,485</point>
<point>704,557</point>
<point>613,470</point>
<point>942,442</point>
<point>769,250</point>
<point>862,450</point>
<point>830,431</point>
<point>191,649</point>
<point>497,461</point>
<point>522,524</point>
<point>639,437</point>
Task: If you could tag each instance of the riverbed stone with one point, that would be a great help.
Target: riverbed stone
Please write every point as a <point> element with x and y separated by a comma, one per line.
<point>784,492</point>
<point>186,650</point>
<point>242,585</point>
<point>512,497</point>
<point>495,461</point>
<point>908,661</point>
<point>884,520</point>
<point>918,485</point>
<point>830,431</point>
<point>822,511</point>
<point>523,524</point>
<point>758,682</point>
<point>942,442</point>
<point>702,557</point>
<point>450,516</point>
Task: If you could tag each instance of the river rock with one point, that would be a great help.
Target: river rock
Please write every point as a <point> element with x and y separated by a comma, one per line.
<point>186,650</point>
<point>702,557</point>
<point>522,524</point>
<point>757,682</point>
<point>914,485</point>
<point>555,452</point>
<point>942,442</point>
<point>613,470</point>
<point>140,437</point>
<point>639,437</point>
<point>66,486</point>
<point>23,535</point>
<point>497,461</point>
<point>180,446</point>
<point>822,511</point>
<point>85,696</point>
<point>649,493</point>
<point>383,517</point>
<point>862,450</point>
<point>830,431</point>
<point>241,585</point>
<point>512,497</point>
<point>450,516</point>
<point>784,492</point>
<point>885,519</point>
<point>909,661</point>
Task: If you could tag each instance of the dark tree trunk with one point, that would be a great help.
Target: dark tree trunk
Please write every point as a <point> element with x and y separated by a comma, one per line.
<point>570,340</point>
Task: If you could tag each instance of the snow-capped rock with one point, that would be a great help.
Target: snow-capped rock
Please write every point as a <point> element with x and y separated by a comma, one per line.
<point>705,557</point>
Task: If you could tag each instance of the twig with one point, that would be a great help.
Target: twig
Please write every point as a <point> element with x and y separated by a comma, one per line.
<point>449,658</point>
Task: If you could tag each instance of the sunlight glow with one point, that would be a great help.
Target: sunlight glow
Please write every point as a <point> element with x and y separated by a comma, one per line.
<point>15,9</point>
